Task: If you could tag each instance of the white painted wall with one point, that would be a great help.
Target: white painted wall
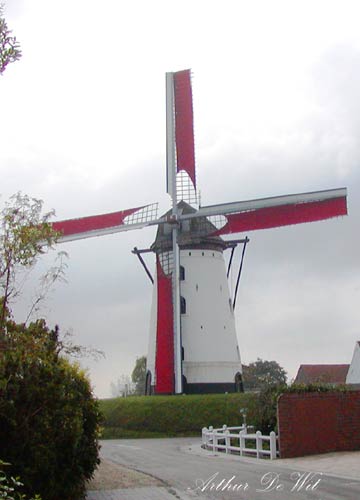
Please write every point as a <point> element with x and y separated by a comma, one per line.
<point>353,376</point>
<point>208,327</point>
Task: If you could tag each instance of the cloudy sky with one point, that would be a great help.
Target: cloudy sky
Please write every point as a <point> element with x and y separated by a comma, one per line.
<point>276,90</point>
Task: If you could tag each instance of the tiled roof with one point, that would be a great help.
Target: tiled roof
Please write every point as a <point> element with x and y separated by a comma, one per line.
<point>327,374</point>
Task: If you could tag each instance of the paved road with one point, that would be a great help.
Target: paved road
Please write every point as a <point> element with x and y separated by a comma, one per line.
<point>194,475</point>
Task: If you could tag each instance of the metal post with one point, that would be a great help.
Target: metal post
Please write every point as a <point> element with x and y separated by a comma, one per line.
<point>239,273</point>
<point>171,189</point>
<point>176,306</point>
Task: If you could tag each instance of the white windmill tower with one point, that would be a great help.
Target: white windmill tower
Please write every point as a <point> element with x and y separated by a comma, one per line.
<point>193,345</point>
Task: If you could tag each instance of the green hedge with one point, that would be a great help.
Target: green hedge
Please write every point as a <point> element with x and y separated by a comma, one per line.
<point>144,416</point>
<point>159,416</point>
<point>49,418</point>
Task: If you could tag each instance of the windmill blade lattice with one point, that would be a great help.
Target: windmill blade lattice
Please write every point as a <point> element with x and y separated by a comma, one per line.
<point>181,138</point>
<point>274,212</point>
<point>99,225</point>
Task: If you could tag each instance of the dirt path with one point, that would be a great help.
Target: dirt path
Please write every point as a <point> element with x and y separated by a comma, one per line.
<point>110,476</point>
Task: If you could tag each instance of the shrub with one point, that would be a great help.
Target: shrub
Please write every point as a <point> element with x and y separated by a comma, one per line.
<point>146,416</point>
<point>49,419</point>
<point>11,487</point>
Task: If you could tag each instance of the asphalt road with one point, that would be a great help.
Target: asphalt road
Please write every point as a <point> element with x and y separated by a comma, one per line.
<point>196,475</point>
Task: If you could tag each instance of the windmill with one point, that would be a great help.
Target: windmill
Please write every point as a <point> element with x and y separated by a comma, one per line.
<point>192,344</point>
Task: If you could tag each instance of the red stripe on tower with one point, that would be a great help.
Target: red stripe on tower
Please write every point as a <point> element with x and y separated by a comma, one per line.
<point>184,124</point>
<point>164,359</point>
<point>284,215</point>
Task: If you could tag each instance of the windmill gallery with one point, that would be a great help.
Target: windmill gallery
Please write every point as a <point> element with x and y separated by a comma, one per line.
<point>193,346</point>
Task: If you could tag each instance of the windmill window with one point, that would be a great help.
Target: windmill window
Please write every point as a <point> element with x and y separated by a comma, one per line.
<point>203,254</point>
<point>190,254</point>
<point>182,305</point>
<point>239,387</point>
<point>182,273</point>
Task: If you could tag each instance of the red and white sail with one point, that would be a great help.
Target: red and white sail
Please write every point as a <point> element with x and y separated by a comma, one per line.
<point>99,225</point>
<point>266,213</point>
<point>180,137</point>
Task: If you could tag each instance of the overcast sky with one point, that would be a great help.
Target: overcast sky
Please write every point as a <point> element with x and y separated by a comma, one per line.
<point>276,90</point>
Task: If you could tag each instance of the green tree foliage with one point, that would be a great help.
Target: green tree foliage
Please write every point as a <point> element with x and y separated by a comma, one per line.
<point>49,418</point>
<point>262,374</point>
<point>11,488</point>
<point>139,374</point>
<point>9,47</point>
<point>25,234</point>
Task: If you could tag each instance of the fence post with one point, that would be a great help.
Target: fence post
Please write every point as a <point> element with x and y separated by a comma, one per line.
<point>204,435</point>
<point>227,441</point>
<point>272,445</point>
<point>259,443</point>
<point>215,441</point>
<point>242,433</point>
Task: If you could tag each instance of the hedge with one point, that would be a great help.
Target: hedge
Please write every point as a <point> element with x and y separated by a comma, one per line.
<point>49,418</point>
<point>153,416</point>
<point>159,416</point>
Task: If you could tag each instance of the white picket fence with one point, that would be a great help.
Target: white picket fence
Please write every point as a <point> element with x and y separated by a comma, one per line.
<point>227,438</point>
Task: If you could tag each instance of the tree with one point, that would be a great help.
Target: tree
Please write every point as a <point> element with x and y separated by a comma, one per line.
<point>49,417</point>
<point>122,387</point>
<point>25,234</point>
<point>138,375</point>
<point>11,488</point>
<point>262,374</point>
<point>9,47</point>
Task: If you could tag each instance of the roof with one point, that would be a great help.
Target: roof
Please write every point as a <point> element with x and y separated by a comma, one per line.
<point>194,233</point>
<point>326,374</point>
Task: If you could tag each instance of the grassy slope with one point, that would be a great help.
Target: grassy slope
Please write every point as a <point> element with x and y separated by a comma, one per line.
<point>160,416</point>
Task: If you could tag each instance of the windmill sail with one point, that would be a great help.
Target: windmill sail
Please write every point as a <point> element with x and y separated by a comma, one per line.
<point>277,211</point>
<point>181,174</point>
<point>184,124</point>
<point>99,225</point>
<point>164,363</point>
<point>181,184</point>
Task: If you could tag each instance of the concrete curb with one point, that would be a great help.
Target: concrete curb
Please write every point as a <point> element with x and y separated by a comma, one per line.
<point>342,464</point>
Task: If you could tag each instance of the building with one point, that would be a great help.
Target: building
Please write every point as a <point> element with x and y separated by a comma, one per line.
<point>353,375</point>
<point>323,374</point>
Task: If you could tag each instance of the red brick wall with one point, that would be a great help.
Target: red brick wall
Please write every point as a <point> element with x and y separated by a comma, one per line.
<point>311,423</point>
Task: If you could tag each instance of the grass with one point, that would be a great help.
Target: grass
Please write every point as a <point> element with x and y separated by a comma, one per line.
<point>169,416</point>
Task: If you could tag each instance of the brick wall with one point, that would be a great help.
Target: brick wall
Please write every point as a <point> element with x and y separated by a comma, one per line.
<point>311,423</point>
